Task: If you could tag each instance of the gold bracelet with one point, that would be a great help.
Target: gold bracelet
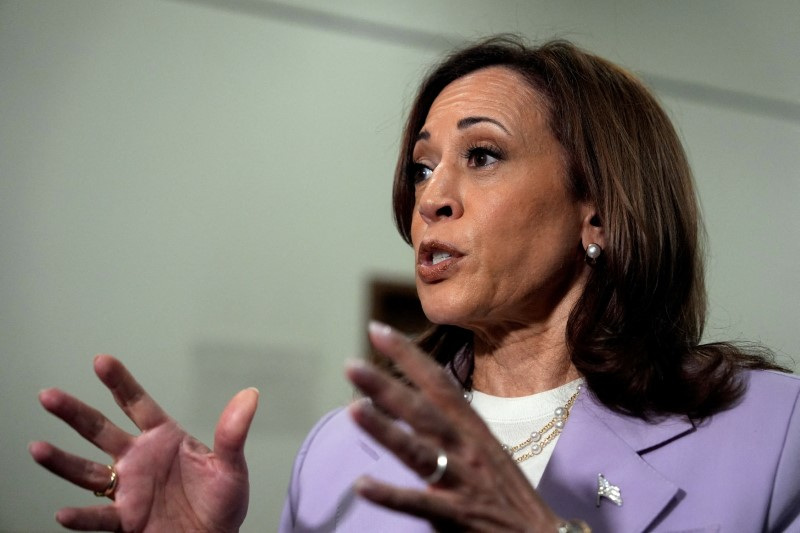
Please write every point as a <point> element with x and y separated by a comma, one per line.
<point>574,526</point>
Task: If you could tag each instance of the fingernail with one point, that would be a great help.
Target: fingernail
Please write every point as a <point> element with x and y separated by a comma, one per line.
<point>359,406</point>
<point>364,485</point>
<point>355,364</point>
<point>379,328</point>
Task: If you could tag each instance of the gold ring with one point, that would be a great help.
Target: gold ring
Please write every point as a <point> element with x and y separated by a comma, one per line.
<point>112,484</point>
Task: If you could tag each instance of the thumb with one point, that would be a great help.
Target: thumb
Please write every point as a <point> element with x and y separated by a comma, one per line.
<point>233,426</point>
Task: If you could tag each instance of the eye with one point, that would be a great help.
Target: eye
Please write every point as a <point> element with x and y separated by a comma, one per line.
<point>482,156</point>
<point>420,173</point>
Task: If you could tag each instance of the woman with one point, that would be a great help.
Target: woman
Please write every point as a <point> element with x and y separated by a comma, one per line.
<point>555,231</point>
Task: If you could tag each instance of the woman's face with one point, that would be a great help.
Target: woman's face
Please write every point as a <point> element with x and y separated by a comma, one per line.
<point>496,234</point>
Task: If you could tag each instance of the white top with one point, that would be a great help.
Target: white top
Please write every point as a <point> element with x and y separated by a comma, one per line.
<point>512,420</point>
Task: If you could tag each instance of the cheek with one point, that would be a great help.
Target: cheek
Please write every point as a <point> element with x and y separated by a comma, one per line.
<point>417,229</point>
<point>505,222</point>
<point>533,231</point>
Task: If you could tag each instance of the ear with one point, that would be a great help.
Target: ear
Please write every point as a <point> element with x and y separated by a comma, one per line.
<point>592,228</point>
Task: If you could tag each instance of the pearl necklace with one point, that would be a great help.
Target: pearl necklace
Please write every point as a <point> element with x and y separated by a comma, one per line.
<point>540,438</point>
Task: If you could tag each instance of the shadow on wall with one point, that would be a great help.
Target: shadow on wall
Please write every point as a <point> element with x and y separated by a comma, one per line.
<point>222,369</point>
<point>441,42</point>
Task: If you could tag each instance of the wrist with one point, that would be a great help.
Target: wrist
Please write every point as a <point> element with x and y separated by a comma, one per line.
<point>573,526</point>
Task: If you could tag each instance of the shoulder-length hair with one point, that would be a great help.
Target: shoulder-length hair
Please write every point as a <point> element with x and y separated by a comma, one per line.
<point>635,331</point>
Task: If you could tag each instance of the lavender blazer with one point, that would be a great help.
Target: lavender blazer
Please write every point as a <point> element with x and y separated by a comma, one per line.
<point>738,471</point>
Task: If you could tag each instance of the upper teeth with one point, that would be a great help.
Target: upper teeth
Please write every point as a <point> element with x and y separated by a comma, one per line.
<point>438,257</point>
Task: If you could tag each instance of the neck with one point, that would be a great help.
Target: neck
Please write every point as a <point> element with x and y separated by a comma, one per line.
<point>524,362</point>
<point>520,357</point>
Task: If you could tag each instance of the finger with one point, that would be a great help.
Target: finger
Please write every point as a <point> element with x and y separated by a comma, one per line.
<point>129,395</point>
<point>419,454</point>
<point>401,401</point>
<point>422,370</point>
<point>233,425</point>
<point>90,423</point>
<point>448,511</point>
<point>96,518</point>
<point>77,470</point>
<point>432,505</point>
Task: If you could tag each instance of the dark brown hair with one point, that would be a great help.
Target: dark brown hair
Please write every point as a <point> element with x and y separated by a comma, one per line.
<point>635,331</point>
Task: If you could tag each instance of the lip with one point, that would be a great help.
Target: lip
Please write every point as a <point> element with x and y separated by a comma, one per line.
<point>430,273</point>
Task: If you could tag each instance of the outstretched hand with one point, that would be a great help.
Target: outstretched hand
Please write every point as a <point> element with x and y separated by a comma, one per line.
<point>167,479</point>
<point>481,488</point>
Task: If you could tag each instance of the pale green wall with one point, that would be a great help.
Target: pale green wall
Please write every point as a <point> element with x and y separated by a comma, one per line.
<point>202,188</point>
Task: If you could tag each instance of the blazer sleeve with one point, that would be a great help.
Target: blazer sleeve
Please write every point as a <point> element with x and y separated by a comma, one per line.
<point>784,510</point>
<point>290,505</point>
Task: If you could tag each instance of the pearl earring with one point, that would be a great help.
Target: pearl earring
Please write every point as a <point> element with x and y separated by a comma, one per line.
<point>593,252</point>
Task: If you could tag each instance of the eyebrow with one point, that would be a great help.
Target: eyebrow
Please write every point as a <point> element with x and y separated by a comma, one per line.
<point>465,123</point>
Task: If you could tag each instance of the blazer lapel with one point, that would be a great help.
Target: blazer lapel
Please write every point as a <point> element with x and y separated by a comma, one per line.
<point>357,514</point>
<point>599,441</point>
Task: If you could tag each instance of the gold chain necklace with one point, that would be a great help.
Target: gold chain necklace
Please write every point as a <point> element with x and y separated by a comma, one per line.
<point>544,435</point>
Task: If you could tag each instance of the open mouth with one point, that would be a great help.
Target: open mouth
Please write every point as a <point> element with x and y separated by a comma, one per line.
<point>436,260</point>
<point>438,257</point>
<point>432,253</point>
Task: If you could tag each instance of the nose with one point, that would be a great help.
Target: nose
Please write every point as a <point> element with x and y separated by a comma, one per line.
<point>439,198</point>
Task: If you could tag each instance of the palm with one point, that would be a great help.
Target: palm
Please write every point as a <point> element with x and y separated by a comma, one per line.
<point>168,481</point>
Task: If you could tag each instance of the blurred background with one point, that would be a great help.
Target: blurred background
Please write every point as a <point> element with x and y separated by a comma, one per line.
<point>202,188</point>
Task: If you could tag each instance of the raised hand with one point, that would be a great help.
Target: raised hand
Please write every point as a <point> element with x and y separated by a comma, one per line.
<point>473,484</point>
<point>167,480</point>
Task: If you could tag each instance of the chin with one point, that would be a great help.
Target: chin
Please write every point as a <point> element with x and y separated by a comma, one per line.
<point>441,310</point>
